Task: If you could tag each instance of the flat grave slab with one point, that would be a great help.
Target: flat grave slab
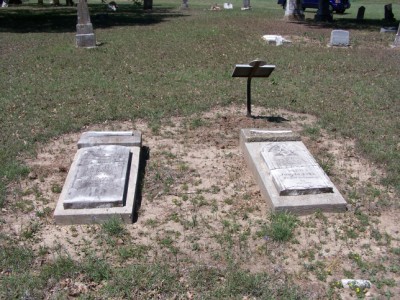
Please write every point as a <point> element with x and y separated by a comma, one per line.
<point>288,176</point>
<point>100,177</point>
<point>100,184</point>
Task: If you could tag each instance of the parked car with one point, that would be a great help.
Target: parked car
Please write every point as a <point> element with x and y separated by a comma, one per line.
<point>338,6</point>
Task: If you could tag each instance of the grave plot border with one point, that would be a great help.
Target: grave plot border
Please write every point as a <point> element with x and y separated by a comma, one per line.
<point>299,204</point>
<point>126,213</point>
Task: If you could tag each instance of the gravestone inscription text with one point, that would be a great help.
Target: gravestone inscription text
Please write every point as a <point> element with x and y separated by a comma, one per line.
<point>293,169</point>
<point>100,178</point>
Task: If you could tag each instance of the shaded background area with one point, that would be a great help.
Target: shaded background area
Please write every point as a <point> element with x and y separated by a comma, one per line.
<point>33,18</point>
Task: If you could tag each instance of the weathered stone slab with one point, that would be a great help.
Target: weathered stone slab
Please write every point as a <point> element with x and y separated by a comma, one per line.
<point>99,179</point>
<point>283,155</point>
<point>122,138</point>
<point>294,170</point>
<point>340,38</point>
<point>64,216</point>
<point>265,135</point>
<point>325,199</point>
<point>301,181</point>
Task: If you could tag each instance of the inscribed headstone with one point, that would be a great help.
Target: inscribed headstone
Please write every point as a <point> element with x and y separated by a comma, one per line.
<point>100,178</point>
<point>294,170</point>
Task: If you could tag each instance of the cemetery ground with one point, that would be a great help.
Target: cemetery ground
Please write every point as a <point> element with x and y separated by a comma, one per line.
<point>203,229</point>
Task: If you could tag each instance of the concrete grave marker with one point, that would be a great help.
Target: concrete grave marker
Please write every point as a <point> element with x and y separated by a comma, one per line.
<point>340,38</point>
<point>102,180</point>
<point>287,174</point>
<point>293,169</point>
<point>85,37</point>
<point>246,5</point>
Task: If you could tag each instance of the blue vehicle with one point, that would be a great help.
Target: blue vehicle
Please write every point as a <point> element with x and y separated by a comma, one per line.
<point>338,6</point>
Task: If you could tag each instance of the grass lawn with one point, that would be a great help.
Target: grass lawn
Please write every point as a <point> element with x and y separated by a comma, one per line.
<point>167,63</point>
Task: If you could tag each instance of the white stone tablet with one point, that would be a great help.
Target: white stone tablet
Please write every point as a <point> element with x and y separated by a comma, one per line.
<point>99,179</point>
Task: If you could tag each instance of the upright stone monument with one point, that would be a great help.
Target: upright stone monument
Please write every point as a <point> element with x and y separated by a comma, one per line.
<point>85,37</point>
<point>389,16</point>
<point>294,10</point>
<point>246,5</point>
<point>360,13</point>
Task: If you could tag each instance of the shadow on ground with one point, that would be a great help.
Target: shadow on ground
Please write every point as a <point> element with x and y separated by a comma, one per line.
<point>272,119</point>
<point>34,18</point>
<point>352,23</point>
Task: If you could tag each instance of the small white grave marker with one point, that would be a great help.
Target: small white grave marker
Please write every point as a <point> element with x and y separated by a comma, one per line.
<point>228,5</point>
<point>340,38</point>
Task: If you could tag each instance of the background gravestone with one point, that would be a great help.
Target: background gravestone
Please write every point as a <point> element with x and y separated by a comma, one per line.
<point>360,13</point>
<point>84,29</point>
<point>148,4</point>
<point>294,10</point>
<point>100,178</point>
<point>389,16</point>
<point>340,38</point>
<point>397,38</point>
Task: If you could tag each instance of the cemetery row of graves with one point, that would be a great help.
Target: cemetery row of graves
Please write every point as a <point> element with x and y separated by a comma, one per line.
<point>135,166</point>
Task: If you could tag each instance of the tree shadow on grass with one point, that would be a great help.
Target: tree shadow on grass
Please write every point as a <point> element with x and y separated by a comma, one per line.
<point>34,18</point>
<point>354,24</point>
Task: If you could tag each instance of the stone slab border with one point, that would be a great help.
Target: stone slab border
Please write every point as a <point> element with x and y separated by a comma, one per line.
<point>251,142</point>
<point>130,139</point>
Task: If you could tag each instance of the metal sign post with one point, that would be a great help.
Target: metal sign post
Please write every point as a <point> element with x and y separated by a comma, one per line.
<point>256,68</point>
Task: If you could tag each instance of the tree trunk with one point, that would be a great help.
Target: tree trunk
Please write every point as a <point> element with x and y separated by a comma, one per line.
<point>323,13</point>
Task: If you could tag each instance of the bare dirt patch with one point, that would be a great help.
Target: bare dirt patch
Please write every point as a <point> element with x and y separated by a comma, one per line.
<point>201,207</point>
